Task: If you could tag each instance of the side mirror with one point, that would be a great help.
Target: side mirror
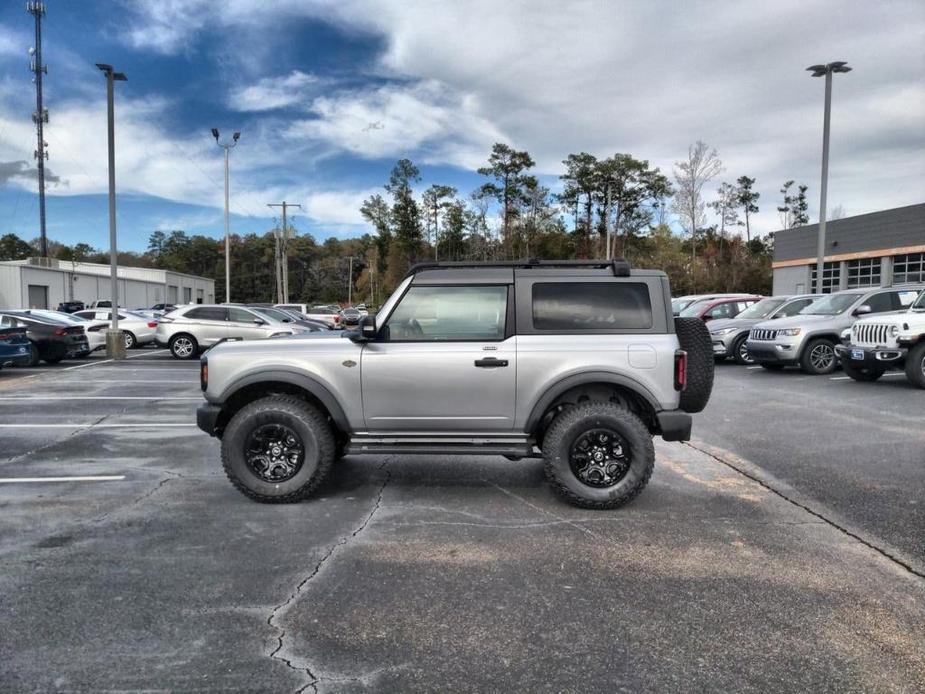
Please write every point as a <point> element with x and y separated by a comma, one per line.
<point>367,325</point>
<point>862,310</point>
<point>257,321</point>
<point>707,318</point>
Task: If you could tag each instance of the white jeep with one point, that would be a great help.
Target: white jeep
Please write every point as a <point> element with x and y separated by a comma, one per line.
<point>887,341</point>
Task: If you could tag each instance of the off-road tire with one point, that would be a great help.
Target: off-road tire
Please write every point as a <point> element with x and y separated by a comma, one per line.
<point>130,341</point>
<point>311,426</point>
<point>172,346</point>
<point>861,373</point>
<point>695,340</point>
<point>915,365</point>
<point>572,423</point>
<point>806,359</point>
<point>773,367</point>
<point>737,351</point>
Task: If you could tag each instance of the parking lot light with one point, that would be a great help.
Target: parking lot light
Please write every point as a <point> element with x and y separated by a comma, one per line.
<point>115,343</point>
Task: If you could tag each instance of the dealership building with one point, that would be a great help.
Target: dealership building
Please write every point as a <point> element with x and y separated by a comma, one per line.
<point>46,282</point>
<point>878,249</point>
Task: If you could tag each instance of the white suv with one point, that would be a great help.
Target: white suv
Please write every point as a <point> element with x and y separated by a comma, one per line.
<point>190,329</point>
<point>891,341</point>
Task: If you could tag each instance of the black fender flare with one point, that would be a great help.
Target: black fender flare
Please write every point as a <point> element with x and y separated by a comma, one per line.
<point>586,378</point>
<point>296,378</point>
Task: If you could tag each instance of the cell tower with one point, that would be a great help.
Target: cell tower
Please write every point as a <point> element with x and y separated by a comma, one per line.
<point>40,117</point>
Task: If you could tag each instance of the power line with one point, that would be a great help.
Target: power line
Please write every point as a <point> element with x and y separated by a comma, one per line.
<point>282,254</point>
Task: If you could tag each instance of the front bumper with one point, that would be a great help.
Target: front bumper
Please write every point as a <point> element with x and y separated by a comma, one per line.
<point>773,353</point>
<point>207,417</point>
<point>875,357</point>
<point>675,425</point>
<point>722,344</point>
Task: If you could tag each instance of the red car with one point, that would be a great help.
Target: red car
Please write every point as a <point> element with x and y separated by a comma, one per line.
<point>726,307</point>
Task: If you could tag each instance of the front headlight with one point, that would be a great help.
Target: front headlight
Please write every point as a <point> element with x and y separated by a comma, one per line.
<point>723,331</point>
<point>894,330</point>
<point>789,332</point>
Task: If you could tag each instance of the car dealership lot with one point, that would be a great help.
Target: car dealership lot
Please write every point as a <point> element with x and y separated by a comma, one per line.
<point>767,567</point>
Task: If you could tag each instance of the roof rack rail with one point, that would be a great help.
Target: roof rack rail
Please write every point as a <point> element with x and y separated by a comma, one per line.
<point>619,266</point>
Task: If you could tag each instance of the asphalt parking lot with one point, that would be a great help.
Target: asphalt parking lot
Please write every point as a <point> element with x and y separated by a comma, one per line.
<point>781,551</point>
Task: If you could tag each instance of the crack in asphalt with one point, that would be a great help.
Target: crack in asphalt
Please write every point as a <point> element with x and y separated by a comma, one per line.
<point>170,477</point>
<point>825,519</point>
<point>272,620</point>
<point>49,444</point>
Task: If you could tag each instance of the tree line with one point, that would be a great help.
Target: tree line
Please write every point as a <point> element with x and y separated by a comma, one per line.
<point>613,206</point>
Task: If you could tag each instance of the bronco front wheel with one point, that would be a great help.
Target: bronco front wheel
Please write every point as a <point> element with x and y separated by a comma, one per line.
<point>278,449</point>
<point>598,455</point>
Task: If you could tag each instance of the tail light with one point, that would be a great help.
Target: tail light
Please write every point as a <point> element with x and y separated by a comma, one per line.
<point>60,332</point>
<point>152,324</point>
<point>204,373</point>
<point>680,370</point>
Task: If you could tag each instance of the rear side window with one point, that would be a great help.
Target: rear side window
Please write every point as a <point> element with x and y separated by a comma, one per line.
<point>577,306</point>
<point>206,313</point>
<point>880,303</point>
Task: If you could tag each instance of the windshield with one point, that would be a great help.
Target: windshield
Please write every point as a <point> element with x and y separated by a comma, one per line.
<point>831,305</point>
<point>677,305</point>
<point>919,304</point>
<point>694,309</point>
<point>56,316</point>
<point>762,309</point>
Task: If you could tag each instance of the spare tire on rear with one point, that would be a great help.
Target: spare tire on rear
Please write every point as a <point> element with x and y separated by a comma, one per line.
<point>695,340</point>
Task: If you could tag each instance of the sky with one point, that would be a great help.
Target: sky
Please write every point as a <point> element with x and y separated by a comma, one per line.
<point>328,94</point>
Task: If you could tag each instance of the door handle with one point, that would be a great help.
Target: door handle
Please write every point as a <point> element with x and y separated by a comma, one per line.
<point>490,363</point>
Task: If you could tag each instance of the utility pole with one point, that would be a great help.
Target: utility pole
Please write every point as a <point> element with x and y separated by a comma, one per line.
<point>40,117</point>
<point>227,146</point>
<point>350,283</point>
<point>115,342</point>
<point>282,255</point>
<point>826,71</point>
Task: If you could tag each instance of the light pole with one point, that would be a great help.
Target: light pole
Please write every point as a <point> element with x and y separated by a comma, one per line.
<point>227,146</point>
<point>825,71</point>
<point>115,343</point>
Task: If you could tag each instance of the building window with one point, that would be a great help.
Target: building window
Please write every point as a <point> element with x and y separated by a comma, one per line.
<point>831,278</point>
<point>864,273</point>
<point>909,268</point>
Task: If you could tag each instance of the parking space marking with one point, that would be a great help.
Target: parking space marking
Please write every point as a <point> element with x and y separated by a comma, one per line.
<point>88,425</point>
<point>84,366</point>
<point>158,382</point>
<point>148,354</point>
<point>848,378</point>
<point>45,398</point>
<point>752,367</point>
<point>84,478</point>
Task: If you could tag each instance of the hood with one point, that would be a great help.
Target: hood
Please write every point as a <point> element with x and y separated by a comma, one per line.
<point>721,323</point>
<point>799,321</point>
<point>894,318</point>
<point>304,342</point>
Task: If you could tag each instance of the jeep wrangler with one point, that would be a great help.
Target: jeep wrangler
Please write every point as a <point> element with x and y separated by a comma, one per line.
<point>578,362</point>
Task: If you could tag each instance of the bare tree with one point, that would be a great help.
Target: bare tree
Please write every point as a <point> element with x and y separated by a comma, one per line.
<point>701,166</point>
<point>725,207</point>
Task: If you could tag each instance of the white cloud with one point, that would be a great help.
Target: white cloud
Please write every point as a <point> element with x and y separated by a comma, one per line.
<point>272,93</point>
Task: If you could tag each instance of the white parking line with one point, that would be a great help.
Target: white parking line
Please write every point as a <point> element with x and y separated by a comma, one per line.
<point>158,382</point>
<point>848,378</point>
<point>45,398</point>
<point>84,366</point>
<point>88,425</point>
<point>86,478</point>
<point>752,367</point>
<point>148,354</point>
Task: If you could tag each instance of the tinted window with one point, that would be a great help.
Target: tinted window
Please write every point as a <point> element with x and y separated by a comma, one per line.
<point>7,322</point>
<point>206,313</point>
<point>449,313</point>
<point>881,302</point>
<point>576,306</point>
<point>794,307</point>
<point>239,315</point>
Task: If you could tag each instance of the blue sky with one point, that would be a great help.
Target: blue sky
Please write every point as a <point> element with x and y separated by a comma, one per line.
<point>328,95</point>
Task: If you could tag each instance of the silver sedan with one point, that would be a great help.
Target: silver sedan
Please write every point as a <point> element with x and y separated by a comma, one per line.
<point>137,329</point>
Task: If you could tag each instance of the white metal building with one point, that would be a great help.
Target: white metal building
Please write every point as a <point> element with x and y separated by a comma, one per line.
<point>44,283</point>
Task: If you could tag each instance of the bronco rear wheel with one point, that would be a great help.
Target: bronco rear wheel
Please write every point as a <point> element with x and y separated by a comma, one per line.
<point>278,449</point>
<point>598,455</point>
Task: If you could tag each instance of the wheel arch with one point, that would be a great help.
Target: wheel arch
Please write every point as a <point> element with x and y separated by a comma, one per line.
<point>824,335</point>
<point>600,385</point>
<point>248,388</point>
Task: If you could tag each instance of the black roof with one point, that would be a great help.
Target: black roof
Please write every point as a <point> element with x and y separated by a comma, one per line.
<point>619,267</point>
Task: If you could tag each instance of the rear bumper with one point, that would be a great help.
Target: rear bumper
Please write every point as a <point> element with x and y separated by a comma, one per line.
<point>878,357</point>
<point>207,417</point>
<point>675,425</point>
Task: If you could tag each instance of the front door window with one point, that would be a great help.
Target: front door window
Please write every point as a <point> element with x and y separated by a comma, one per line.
<point>449,314</point>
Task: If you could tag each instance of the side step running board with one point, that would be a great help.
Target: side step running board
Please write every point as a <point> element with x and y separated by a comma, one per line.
<point>519,446</point>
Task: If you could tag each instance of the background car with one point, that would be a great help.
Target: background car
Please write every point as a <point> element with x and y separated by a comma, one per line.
<point>808,339</point>
<point>680,303</point>
<point>189,330</point>
<point>724,307</point>
<point>71,306</point>
<point>49,340</point>
<point>95,330</point>
<point>137,330</point>
<point>289,318</point>
<point>730,335</point>
<point>350,316</point>
<point>14,347</point>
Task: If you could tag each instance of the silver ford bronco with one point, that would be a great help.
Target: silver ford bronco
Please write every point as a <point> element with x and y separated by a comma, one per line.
<point>578,362</point>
